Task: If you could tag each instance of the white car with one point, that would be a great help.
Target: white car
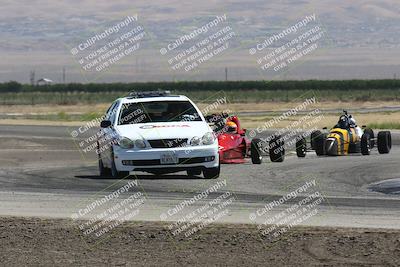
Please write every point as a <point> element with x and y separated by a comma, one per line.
<point>158,133</point>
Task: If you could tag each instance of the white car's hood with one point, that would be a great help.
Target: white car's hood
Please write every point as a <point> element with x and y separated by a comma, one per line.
<point>164,130</point>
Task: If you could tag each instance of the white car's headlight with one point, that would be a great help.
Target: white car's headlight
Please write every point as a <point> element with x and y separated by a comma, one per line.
<point>208,139</point>
<point>195,141</point>
<point>125,142</point>
<point>139,143</point>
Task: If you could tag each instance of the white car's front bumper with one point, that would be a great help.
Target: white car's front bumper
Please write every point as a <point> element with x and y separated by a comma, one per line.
<point>190,157</point>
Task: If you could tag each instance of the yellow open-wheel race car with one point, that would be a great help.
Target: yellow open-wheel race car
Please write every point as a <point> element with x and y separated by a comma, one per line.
<point>343,139</point>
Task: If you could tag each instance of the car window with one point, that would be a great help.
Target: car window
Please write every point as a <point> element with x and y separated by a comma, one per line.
<point>158,111</point>
<point>108,112</point>
<point>113,112</point>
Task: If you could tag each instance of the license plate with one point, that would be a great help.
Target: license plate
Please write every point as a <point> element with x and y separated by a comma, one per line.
<point>169,158</point>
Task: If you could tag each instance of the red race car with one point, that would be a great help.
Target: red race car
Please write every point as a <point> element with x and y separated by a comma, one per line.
<point>235,147</point>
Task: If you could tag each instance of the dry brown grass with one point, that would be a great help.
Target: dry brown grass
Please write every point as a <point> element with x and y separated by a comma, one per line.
<point>39,122</point>
<point>247,121</point>
<point>328,120</point>
<point>279,106</point>
<point>46,109</point>
<point>235,107</point>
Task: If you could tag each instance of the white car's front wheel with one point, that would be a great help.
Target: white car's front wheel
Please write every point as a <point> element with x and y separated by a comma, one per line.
<point>114,171</point>
<point>103,171</point>
<point>212,173</point>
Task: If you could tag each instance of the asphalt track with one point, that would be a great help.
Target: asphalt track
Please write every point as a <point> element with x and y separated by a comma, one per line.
<point>43,173</point>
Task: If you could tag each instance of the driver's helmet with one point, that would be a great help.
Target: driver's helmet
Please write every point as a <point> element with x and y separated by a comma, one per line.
<point>231,127</point>
<point>343,123</point>
<point>352,121</point>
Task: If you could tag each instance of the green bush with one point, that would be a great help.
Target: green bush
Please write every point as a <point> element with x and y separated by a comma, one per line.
<point>192,86</point>
<point>11,86</point>
<point>236,91</point>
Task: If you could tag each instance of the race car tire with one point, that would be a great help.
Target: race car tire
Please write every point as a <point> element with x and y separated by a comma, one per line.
<point>384,142</point>
<point>371,135</point>
<point>212,173</point>
<point>313,135</point>
<point>103,171</point>
<point>256,151</point>
<point>193,172</point>
<point>355,147</point>
<point>114,172</point>
<point>319,143</point>
<point>301,147</point>
<point>276,149</point>
<point>365,144</point>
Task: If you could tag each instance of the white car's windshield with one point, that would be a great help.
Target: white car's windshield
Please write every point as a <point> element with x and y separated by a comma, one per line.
<point>157,111</point>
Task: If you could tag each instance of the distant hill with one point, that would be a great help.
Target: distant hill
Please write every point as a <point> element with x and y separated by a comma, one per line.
<point>361,37</point>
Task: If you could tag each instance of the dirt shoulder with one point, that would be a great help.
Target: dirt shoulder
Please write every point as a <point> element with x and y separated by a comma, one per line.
<point>49,242</point>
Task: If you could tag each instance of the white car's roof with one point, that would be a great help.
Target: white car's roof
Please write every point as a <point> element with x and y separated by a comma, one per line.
<point>157,98</point>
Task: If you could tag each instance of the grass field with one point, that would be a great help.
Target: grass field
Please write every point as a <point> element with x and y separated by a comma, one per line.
<point>77,114</point>
<point>248,96</point>
<point>75,103</point>
<point>374,121</point>
<point>237,107</point>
